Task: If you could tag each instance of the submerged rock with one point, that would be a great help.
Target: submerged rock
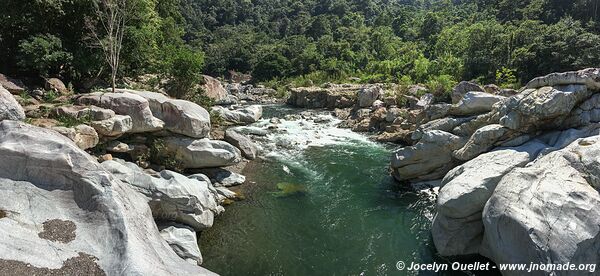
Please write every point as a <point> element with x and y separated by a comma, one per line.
<point>289,189</point>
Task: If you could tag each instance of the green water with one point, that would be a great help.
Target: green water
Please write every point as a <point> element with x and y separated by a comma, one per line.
<point>352,219</point>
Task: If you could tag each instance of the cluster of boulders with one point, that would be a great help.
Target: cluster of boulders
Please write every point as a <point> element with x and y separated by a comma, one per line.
<point>519,174</point>
<point>125,196</point>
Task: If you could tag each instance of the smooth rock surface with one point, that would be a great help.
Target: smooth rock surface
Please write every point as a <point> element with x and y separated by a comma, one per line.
<point>47,181</point>
<point>474,103</point>
<point>180,116</point>
<point>201,153</point>
<point>10,109</point>
<point>183,241</point>
<point>125,103</point>
<point>548,212</point>
<point>457,228</point>
<point>171,196</point>
<point>463,88</point>
<point>242,142</point>
<point>246,115</point>
<point>431,158</point>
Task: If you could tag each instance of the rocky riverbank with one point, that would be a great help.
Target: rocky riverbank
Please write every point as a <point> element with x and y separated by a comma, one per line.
<point>116,183</point>
<point>516,170</point>
<point>518,174</point>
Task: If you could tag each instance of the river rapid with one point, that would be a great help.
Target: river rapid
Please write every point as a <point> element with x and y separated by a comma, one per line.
<point>339,213</point>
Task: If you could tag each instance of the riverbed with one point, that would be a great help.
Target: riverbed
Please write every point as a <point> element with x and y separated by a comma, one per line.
<point>346,217</point>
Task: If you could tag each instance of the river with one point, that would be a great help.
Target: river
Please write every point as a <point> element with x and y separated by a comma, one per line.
<point>348,217</point>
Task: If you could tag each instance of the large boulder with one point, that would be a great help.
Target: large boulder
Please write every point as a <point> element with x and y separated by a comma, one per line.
<point>183,241</point>
<point>431,158</point>
<point>54,84</point>
<point>180,116</point>
<point>474,103</point>
<point>14,86</point>
<point>368,95</point>
<point>588,77</point>
<point>171,196</point>
<point>241,116</point>
<point>56,198</point>
<point>125,103</point>
<point>457,228</point>
<point>463,88</point>
<point>543,108</point>
<point>242,142</point>
<point>213,88</point>
<point>483,140</point>
<point>200,153</point>
<point>10,109</point>
<point>547,212</point>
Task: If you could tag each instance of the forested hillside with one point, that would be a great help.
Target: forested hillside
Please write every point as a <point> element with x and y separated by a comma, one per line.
<point>404,41</point>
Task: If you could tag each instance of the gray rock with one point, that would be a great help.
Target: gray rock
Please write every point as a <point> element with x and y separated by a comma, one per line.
<point>201,153</point>
<point>13,86</point>
<point>587,77</point>
<point>48,184</point>
<point>113,127</point>
<point>474,103</point>
<point>243,116</point>
<point>242,142</point>
<point>483,140</point>
<point>183,241</point>
<point>182,117</point>
<point>425,101</point>
<point>223,177</point>
<point>85,137</point>
<point>93,113</point>
<point>368,95</point>
<point>457,228</point>
<point>171,196</point>
<point>547,212</point>
<point>10,109</point>
<point>463,88</point>
<point>126,103</point>
<point>542,108</point>
<point>431,158</point>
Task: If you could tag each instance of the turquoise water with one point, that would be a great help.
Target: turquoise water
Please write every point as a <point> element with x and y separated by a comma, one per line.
<point>352,219</point>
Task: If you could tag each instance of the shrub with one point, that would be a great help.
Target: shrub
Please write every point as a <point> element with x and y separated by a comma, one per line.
<point>185,71</point>
<point>506,78</point>
<point>43,55</point>
<point>441,87</point>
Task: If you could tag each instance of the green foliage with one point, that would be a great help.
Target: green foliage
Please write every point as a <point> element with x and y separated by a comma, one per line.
<point>506,78</point>
<point>158,155</point>
<point>50,96</point>
<point>198,96</point>
<point>441,87</point>
<point>44,55</point>
<point>69,121</point>
<point>185,71</point>
<point>301,43</point>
